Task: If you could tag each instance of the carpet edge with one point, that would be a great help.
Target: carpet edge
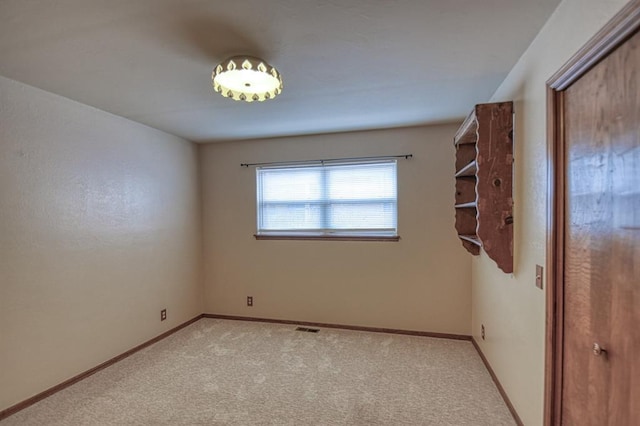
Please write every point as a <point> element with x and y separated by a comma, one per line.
<point>13,409</point>
<point>503,393</point>
<point>343,327</point>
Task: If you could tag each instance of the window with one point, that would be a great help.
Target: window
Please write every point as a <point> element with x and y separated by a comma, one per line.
<point>339,200</point>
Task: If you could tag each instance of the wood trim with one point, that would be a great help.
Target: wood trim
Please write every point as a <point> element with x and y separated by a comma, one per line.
<point>57,388</point>
<point>342,326</point>
<point>326,238</point>
<point>555,262</point>
<point>510,406</point>
<point>624,24</point>
<point>615,32</point>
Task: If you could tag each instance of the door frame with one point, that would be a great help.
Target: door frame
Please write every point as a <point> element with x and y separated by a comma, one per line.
<point>622,26</point>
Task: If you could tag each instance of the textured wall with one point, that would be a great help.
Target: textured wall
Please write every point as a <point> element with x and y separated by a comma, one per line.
<point>510,306</point>
<point>419,283</point>
<point>99,230</point>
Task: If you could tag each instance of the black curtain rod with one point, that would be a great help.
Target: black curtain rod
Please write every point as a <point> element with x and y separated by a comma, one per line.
<point>327,160</point>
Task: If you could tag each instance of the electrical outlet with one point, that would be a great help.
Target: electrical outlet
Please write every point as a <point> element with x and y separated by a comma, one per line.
<point>482,332</point>
<point>539,271</point>
<point>163,315</point>
<point>249,301</point>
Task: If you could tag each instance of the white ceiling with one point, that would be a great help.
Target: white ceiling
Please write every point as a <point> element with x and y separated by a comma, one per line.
<point>346,65</point>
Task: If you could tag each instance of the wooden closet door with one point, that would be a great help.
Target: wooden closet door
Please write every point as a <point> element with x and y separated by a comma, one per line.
<point>601,362</point>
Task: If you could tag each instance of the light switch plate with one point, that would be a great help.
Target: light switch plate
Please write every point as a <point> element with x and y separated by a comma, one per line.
<point>539,276</point>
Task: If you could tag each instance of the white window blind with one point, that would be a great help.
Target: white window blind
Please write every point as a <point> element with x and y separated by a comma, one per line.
<point>358,199</point>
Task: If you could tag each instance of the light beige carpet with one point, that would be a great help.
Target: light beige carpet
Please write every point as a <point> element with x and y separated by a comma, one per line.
<point>220,372</point>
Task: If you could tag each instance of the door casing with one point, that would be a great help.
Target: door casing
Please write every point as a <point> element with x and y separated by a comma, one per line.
<point>624,24</point>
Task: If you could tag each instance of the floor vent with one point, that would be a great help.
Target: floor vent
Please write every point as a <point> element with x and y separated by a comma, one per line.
<point>308,330</point>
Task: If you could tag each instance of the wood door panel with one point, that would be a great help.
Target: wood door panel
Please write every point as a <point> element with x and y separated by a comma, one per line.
<point>602,243</point>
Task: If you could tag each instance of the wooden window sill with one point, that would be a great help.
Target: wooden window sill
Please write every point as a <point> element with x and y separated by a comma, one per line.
<point>327,238</point>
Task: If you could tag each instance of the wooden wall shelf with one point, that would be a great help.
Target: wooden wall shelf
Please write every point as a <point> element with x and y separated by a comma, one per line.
<point>484,175</point>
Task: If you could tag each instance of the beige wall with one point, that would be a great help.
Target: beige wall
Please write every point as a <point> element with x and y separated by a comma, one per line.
<point>419,283</point>
<point>510,306</point>
<point>99,230</point>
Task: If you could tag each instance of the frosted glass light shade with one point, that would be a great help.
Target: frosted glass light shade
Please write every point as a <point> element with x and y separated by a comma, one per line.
<point>244,78</point>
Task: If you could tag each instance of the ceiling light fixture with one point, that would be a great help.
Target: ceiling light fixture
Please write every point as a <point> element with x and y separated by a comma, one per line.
<point>245,78</point>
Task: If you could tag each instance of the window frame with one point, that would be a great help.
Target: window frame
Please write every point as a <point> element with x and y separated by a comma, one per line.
<point>328,234</point>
